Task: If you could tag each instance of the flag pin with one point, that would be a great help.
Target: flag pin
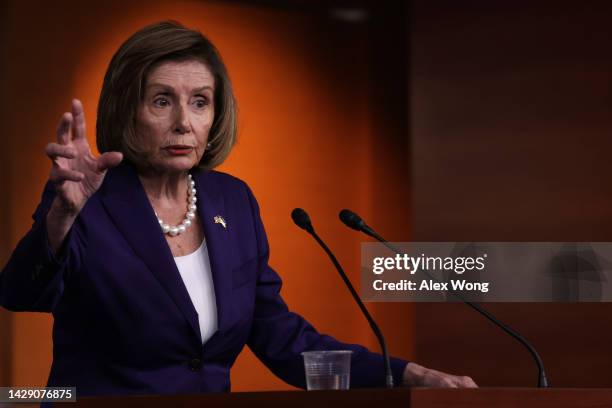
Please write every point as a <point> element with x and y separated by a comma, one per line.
<point>220,220</point>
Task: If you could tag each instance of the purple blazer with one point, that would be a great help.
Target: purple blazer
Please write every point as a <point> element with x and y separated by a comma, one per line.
<point>123,320</point>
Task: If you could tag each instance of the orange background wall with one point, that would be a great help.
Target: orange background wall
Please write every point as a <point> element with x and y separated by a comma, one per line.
<point>309,136</point>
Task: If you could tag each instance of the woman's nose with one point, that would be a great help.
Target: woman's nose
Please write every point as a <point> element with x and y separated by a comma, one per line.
<point>181,120</point>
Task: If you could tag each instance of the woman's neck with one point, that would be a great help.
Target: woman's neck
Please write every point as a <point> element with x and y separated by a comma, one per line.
<point>165,187</point>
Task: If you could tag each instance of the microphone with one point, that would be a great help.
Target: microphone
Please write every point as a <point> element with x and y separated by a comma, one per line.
<point>354,221</point>
<point>302,220</point>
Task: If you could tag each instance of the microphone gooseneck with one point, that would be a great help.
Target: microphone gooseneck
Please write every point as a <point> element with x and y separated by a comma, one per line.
<point>302,220</point>
<point>354,221</point>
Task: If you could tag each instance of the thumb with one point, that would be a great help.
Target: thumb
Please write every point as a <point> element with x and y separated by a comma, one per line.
<point>109,160</point>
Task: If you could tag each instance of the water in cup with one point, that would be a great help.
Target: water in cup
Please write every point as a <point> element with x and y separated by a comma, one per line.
<point>327,369</point>
<point>327,382</point>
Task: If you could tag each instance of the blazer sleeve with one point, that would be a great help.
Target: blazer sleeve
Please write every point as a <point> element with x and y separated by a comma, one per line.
<point>33,279</point>
<point>278,336</point>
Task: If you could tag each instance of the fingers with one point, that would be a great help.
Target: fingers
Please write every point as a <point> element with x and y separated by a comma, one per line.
<point>453,381</point>
<point>60,175</point>
<point>108,160</point>
<point>64,129</point>
<point>438,379</point>
<point>467,382</point>
<point>443,380</point>
<point>79,119</point>
<point>55,150</point>
<point>72,124</point>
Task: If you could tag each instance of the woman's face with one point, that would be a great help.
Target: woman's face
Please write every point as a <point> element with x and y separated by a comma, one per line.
<point>176,114</point>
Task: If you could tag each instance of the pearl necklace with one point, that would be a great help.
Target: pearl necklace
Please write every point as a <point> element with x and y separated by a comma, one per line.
<point>191,211</point>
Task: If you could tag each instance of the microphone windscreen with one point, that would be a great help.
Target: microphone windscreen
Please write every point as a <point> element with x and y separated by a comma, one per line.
<point>351,220</point>
<point>301,218</point>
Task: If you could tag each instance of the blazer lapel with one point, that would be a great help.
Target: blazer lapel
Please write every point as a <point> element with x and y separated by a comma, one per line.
<point>127,204</point>
<point>211,204</point>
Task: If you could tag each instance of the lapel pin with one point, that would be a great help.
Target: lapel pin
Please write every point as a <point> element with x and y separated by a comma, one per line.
<point>220,220</point>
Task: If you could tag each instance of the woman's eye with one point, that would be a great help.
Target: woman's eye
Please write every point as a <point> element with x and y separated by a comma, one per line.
<point>161,102</point>
<point>201,103</point>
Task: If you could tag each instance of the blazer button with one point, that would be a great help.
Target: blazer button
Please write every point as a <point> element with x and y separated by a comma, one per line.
<point>37,270</point>
<point>195,364</point>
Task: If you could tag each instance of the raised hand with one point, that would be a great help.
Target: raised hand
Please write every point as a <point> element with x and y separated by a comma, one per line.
<point>75,172</point>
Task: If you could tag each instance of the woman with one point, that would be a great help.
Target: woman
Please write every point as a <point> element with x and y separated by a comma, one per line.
<point>154,266</point>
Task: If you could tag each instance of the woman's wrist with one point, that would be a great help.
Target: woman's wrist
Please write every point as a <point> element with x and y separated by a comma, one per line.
<point>59,222</point>
<point>413,375</point>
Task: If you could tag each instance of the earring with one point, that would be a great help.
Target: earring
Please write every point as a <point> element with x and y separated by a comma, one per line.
<point>208,145</point>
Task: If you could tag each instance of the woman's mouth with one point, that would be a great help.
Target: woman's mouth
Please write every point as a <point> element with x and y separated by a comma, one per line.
<point>178,150</point>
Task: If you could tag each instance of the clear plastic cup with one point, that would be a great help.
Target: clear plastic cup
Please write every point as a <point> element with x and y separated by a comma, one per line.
<point>327,370</point>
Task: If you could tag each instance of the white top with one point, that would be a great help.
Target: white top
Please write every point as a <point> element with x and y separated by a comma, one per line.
<point>195,271</point>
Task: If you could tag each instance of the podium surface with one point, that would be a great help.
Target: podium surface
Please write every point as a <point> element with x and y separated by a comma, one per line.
<point>400,397</point>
